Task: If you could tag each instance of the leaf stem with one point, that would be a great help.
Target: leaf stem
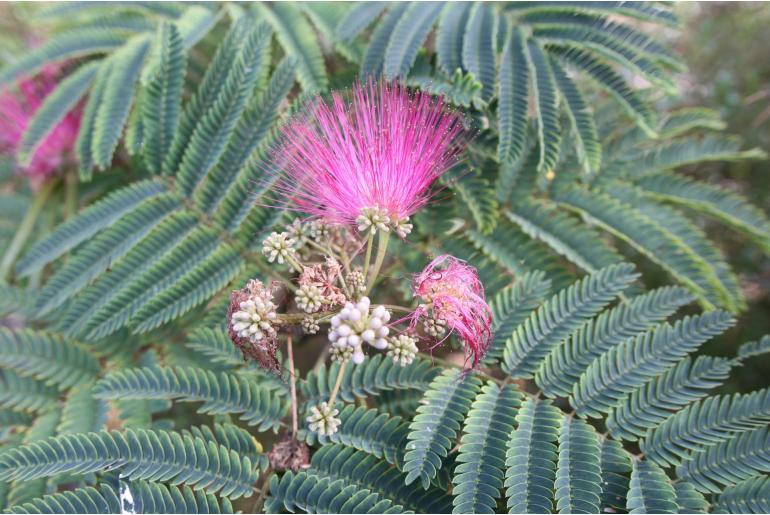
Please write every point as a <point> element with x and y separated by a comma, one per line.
<point>25,228</point>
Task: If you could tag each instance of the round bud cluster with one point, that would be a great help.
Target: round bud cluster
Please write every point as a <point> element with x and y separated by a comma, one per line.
<point>356,281</point>
<point>435,327</point>
<point>402,227</point>
<point>354,325</point>
<point>320,231</point>
<point>309,298</point>
<point>310,326</point>
<point>341,354</point>
<point>373,218</point>
<point>279,247</point>
<point>300,232</point>
<point>323,419</point>
<point>403,349</point>
<point>255,320</point>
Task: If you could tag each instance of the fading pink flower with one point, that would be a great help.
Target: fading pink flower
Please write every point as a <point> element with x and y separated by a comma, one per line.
<point>324,276</point>
<point>378,148</point>
<point>454,295</point>
<point>18,106</point>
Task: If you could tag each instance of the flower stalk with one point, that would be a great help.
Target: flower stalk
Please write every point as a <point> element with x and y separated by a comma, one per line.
<point>25,228</point>
<point>337,384</point>
<point>382,249</point>
<point>292,385</point>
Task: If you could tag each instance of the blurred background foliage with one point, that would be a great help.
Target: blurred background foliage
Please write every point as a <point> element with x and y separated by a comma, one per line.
<point>728,70</point>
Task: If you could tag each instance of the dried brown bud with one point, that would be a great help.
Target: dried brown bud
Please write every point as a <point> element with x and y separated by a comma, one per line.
<point>289,454</point>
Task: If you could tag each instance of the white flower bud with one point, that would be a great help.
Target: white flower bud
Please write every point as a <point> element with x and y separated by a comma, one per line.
<point>402,349</point>
<point>310,326</point>
<point>309,298</point>
<point>279,247</point>
<point>354,324</point>
<point>254,320</point>
<point>323,419</point>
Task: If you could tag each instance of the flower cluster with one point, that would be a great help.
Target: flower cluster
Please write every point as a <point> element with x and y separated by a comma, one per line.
<point>453,297</point>
<point>356,282</point>
<point>253,323</point>
<point>325,279</point>
<point>17,108</point>
<point>278,246</point>
<point>355,325</point>
<point>360,167</point>
<point>309,298</point>
<point>323,419</point>
<point>403,349</point>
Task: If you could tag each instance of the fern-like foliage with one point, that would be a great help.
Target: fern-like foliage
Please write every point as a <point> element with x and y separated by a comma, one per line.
<point>147,497</point>
<point>615,464</point>
<point>319,494</point>
<point>535,42</point>
<point>46,357</point>
<point>366,471</point>
<point>578,487</point>
<point>650,490</point>
<point>141,454</point>
<point>749,496</point>
<point>705,423</point>
<point>566,363</point>
<point>373,376</point>
<point>220,393</point>
<point>25,393</point>
<point>729,462</point>
<point>478,475</point>
<point>436,424</point>
<point>471,441</point>
<point>531,458</point>
<point>126,271</point>
<point>648,388</point>
<point>562,315</point>
<point>512,305</point>
<point>370,431</point>
<point>609,379</point>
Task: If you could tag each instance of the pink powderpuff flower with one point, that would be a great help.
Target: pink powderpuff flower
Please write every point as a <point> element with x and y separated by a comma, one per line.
<point>18,106</point>
<point>377,149</point>
<point>454,295</point>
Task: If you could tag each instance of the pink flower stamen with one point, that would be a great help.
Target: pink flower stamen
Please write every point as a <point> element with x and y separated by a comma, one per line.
<point>453,293</point>
<point>17,108</point>
<point>380,147</point>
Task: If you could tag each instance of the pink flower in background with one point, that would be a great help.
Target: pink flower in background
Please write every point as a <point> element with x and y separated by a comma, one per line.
<point>17,107</point>
<point>454,296</point>
<point>379,148</point>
